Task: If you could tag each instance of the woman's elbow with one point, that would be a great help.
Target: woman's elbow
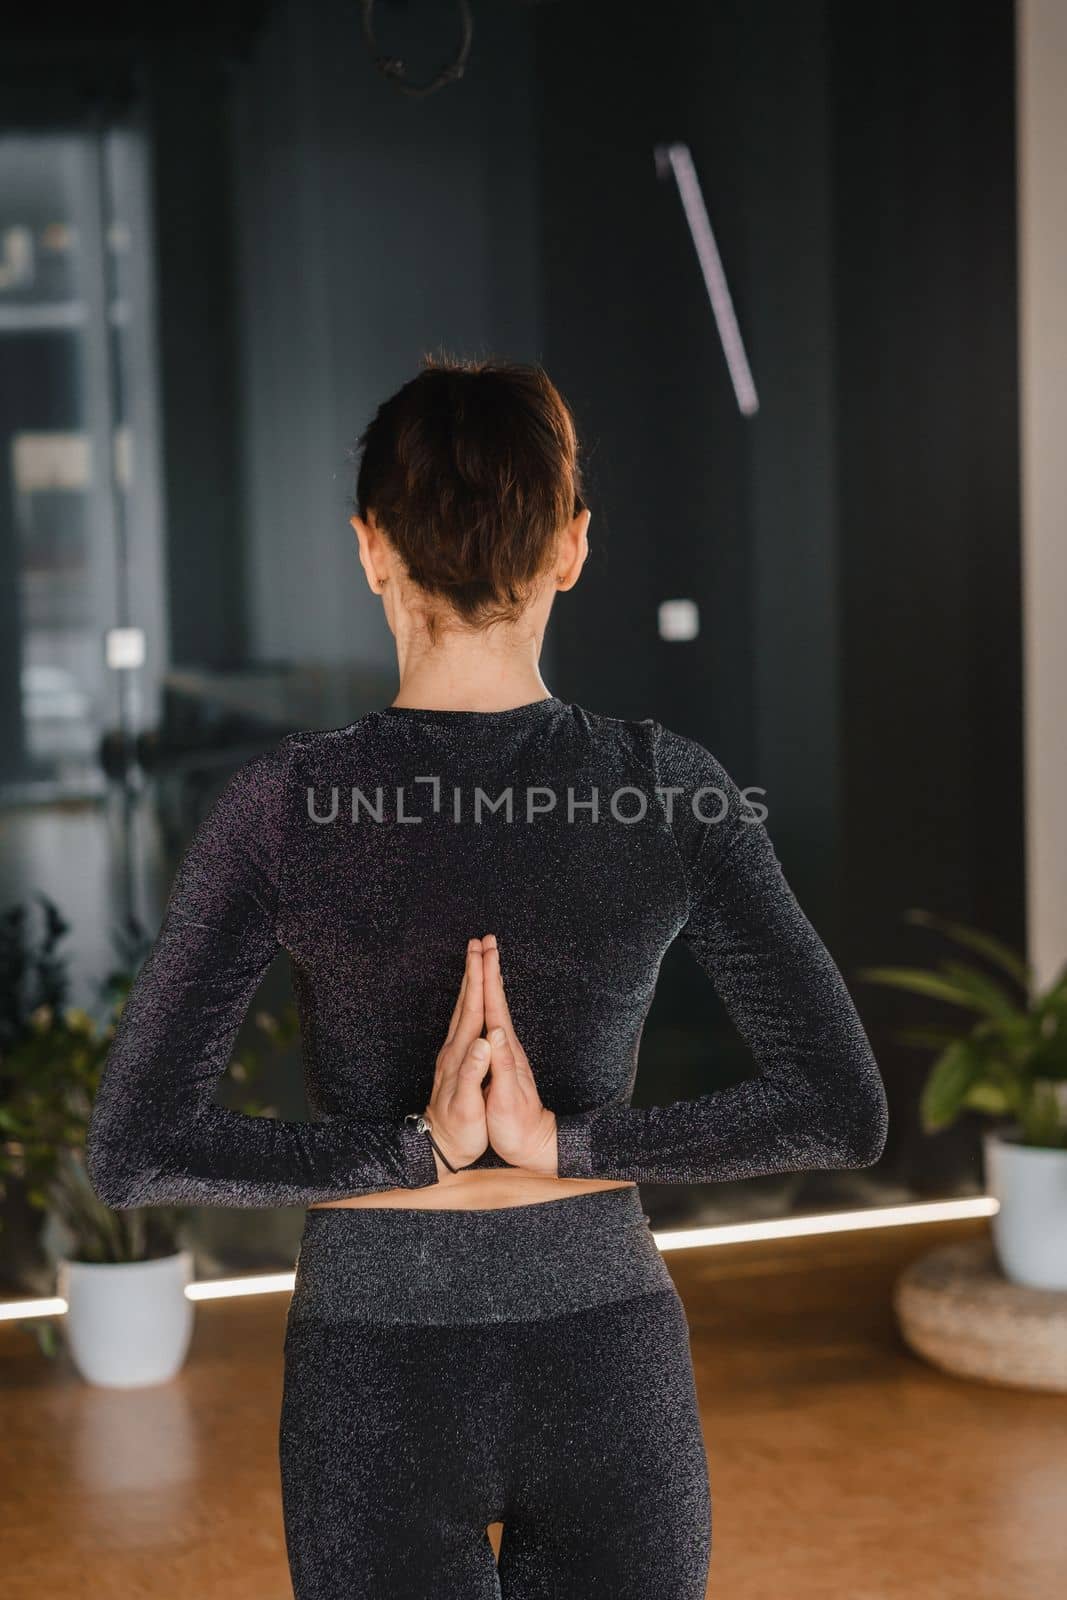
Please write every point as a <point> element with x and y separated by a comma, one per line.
<point>860,1123</point>
<point>111,1185</point>
<point>117,1181</point>
<point>122,1148</point>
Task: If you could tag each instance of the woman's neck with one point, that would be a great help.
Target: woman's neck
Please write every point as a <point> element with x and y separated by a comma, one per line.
<point>472,676</point>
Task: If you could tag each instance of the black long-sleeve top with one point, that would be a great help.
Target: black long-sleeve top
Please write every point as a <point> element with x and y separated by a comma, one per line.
<point>371,854</point>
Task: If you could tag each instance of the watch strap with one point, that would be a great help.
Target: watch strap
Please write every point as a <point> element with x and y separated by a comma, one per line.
<point>422,1124</point>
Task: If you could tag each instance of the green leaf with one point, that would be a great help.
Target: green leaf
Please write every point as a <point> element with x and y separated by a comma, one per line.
<point>947,1085</point>
<point>989,994</point>
<point>985,944</point>
<point>928,1038</point>
<point>988,1097</point>
<point>917,980</point>
<point>1020,1030</point>
<point>1049,1060</point>
<point>43,1329</point>
<point>1041,1119</point>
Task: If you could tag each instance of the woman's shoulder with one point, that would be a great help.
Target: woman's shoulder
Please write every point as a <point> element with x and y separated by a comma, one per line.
<point>707,810</point>
<point>686,760</point>
<point>275,765</point>
<point>676,757</point>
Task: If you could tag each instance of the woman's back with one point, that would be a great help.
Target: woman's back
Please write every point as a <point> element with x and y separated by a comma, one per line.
<point>487,824</point>
<point>372,854</point>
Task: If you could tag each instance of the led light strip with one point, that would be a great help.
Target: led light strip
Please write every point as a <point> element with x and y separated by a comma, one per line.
<point>676,159</point>
<point>667,1239</point>
<point>225,1288</point>
<point>15,1310</point>
<point>829,1222</point>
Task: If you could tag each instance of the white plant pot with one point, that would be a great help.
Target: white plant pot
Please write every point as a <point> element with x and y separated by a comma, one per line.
<point>1030,1228</point>
<point>128,1324</point>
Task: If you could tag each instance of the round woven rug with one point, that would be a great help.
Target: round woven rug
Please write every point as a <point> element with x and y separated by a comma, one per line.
<point>955,1308</point>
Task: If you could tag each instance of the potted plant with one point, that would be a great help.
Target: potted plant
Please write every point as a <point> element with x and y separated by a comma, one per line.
<point>1009,1064</point>
<point>122,1273</point>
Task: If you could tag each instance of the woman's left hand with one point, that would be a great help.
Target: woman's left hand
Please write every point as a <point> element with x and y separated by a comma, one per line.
<point>521,1129</point>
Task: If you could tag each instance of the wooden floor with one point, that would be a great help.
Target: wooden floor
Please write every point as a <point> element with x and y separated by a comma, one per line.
<point>842,1467</point>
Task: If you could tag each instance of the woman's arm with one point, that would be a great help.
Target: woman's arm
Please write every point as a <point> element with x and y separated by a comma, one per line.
<point>156,1135</point>
<point>818,1100</point>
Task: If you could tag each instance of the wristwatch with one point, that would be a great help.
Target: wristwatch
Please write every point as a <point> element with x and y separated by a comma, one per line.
<point>422,1124</point>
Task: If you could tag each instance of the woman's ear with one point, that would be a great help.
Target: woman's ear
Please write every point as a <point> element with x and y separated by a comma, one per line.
<point>574,551</point>
<point>369,550</point>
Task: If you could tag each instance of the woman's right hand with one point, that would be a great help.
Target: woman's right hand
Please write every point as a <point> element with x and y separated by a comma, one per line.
<point>457,1105</point>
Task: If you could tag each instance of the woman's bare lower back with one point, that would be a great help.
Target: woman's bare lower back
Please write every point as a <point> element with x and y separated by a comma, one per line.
<point>486,1189</point>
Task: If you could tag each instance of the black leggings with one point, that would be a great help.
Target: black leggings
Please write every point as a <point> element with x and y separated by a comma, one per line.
<point>528,1365</point>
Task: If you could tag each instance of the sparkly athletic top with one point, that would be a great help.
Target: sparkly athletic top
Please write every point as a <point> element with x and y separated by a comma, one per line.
<point>371,854</point>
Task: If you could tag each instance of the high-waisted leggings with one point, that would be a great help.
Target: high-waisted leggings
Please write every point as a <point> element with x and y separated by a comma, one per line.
<point>528,1365</point>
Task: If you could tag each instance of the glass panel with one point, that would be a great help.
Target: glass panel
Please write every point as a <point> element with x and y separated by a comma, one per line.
<point>75,383</point>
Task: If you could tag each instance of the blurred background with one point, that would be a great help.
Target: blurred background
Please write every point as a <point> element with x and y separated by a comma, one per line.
<point>797,265</point>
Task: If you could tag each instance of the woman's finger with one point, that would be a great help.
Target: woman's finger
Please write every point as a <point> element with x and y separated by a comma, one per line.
<point>505,1066</point>
<point>453,1021</point>
<point>457,1009</point>
<point>471,1013</point>
<point>472,1069</point>
<point>497,1014</point>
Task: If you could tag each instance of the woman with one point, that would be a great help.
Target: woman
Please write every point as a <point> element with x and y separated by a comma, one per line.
<point>476,886</point>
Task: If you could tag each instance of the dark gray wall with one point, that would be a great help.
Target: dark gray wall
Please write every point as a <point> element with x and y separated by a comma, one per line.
<point>692,499</point>
<point>371,227</point>
<point>928,500</point>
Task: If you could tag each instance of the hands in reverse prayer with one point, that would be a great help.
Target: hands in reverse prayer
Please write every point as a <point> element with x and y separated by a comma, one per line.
<point>470,1111</point>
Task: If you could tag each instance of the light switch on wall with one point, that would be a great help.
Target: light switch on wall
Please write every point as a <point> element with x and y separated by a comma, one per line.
<point>679,619</point>
<point>124,648</point>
